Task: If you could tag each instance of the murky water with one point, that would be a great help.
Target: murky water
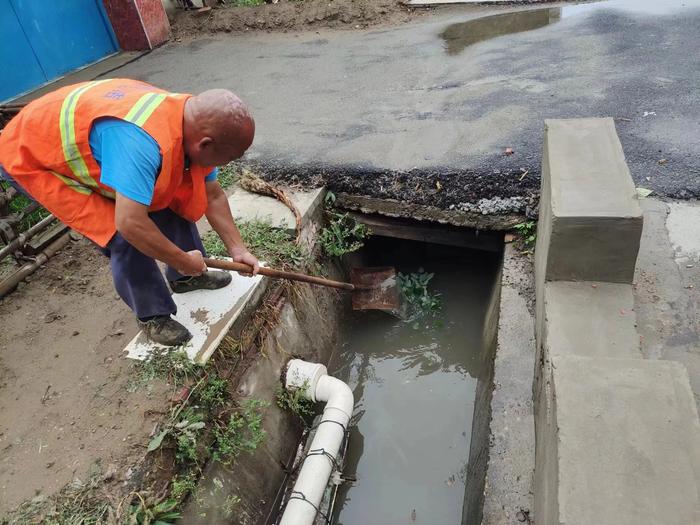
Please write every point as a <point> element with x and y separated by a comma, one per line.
<point>414,386</point>
<point>459,36</point>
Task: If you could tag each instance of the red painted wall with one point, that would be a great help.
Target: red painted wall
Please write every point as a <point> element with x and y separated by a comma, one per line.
<point>138,24</point>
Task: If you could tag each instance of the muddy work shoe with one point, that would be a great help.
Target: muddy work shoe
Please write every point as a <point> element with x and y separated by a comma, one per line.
<point>207,281</point>
<point>165,330</point>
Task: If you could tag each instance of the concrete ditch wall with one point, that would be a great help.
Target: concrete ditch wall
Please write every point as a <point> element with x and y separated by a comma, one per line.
<point>307,326</point>
<point>617,436</point>
<point>479,442</point>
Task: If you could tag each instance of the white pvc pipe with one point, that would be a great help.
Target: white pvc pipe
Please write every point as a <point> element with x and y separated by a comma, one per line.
<point>317,467</point>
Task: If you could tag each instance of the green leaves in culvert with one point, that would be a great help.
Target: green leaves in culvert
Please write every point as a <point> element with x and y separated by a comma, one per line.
<point>528,234</point>
<point>416,298</point>
<point>342,235</point>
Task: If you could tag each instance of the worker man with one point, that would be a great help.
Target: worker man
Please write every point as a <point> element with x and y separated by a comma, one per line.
<point>132,168</point>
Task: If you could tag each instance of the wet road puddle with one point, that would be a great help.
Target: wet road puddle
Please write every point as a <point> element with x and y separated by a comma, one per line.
<point>414,385</point>
<point>458,37</point>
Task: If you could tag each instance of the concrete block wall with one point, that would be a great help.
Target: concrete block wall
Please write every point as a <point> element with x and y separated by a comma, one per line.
<point>617,436</point>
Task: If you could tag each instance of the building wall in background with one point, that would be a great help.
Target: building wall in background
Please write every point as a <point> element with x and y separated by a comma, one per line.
<point>138,24</point>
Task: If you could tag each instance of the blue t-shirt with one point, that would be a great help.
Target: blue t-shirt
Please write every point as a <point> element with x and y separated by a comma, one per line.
<point>129,158</point>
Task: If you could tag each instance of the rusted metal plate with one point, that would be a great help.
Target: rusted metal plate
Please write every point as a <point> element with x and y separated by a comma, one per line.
<point>375,289</point>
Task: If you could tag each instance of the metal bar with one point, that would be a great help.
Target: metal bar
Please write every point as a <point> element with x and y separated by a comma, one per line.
<point>9,284</point>
<point>22,238</point>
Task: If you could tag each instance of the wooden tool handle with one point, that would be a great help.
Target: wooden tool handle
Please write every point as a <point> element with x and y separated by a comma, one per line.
<point>277,274</point>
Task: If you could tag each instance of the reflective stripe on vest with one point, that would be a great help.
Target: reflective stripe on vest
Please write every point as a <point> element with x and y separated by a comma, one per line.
<point>72,184</point>
<point>144,108</point>
<point>70,149</point>
<point>85,184</point>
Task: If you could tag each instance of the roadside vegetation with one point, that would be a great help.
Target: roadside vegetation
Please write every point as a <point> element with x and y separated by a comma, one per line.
<point>342,234</point>
<point>273,245</point>
<point>527,232</point>
<point>297,402</point>
<point>204,423</point>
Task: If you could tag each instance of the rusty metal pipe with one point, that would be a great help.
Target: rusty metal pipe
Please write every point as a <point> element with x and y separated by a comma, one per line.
<point>23,237</point>
<point>13,280</point>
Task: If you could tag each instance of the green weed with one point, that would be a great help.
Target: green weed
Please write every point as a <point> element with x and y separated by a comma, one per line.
<point>528,233</point>
<point>414,290</point>
<point>18,205</point>
<point>173,366</point>
<point>183,485</point>
<point>342,235</point>
<point>243,433</point>
<point>228,175</point>
<point>144,512</point>
<point>214,393</point>
<point>272,245</point>
<point>296,401</point>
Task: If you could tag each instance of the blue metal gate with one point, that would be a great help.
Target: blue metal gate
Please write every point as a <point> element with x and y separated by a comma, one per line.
<point>41,41</point>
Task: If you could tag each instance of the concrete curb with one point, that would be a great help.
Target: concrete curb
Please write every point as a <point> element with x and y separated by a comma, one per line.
<point>617,436</point>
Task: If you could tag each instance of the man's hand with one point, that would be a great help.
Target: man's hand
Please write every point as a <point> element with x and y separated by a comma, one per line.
<point>242,255</point>
<point>192,264</point>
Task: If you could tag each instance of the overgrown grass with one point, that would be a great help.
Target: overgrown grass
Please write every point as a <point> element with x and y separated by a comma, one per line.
<point>173,366</point>
<point>18,204</point>
<point>273,245</point>
<point>228,175</point>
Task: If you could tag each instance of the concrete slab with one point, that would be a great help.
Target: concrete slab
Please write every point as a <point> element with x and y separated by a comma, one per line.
<point>207,314</point>
<point>590,219</point>
<point>620,447</point>
<point>589,320</point>
<point>682,223</point>
<point>667,291</point>
<point>247,206</point>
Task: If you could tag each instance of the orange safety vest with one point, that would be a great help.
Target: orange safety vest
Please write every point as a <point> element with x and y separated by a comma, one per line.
<point>46,149</point>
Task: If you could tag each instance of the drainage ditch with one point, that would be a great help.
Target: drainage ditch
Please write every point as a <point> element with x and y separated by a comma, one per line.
<point>422,391</point>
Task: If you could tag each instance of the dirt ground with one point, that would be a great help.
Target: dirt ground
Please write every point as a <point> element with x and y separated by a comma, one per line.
<point>292,15</point>
<point>67,403</point>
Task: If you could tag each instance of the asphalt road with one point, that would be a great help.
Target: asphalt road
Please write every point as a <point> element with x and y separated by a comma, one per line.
<point>440,99</point>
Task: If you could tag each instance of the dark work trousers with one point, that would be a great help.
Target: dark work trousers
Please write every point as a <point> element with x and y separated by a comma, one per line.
<point>137,278</point>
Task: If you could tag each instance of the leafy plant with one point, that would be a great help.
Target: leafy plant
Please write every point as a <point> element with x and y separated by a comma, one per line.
<point>329,199</point>
<point>528,233</point>
<point>183,485</point>
<point>163,513</point>
<point>186,433</point>
<point>342,235</point>
<point>414,290</point>
<point>214,393</point>
<point>296,401</point>
<point>242,433</point>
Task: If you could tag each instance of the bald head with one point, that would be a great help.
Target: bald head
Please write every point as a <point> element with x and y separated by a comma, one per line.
<point>217,128</point>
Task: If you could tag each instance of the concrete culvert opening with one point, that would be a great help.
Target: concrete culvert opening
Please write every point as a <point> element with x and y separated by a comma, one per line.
<point>418,438</point>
